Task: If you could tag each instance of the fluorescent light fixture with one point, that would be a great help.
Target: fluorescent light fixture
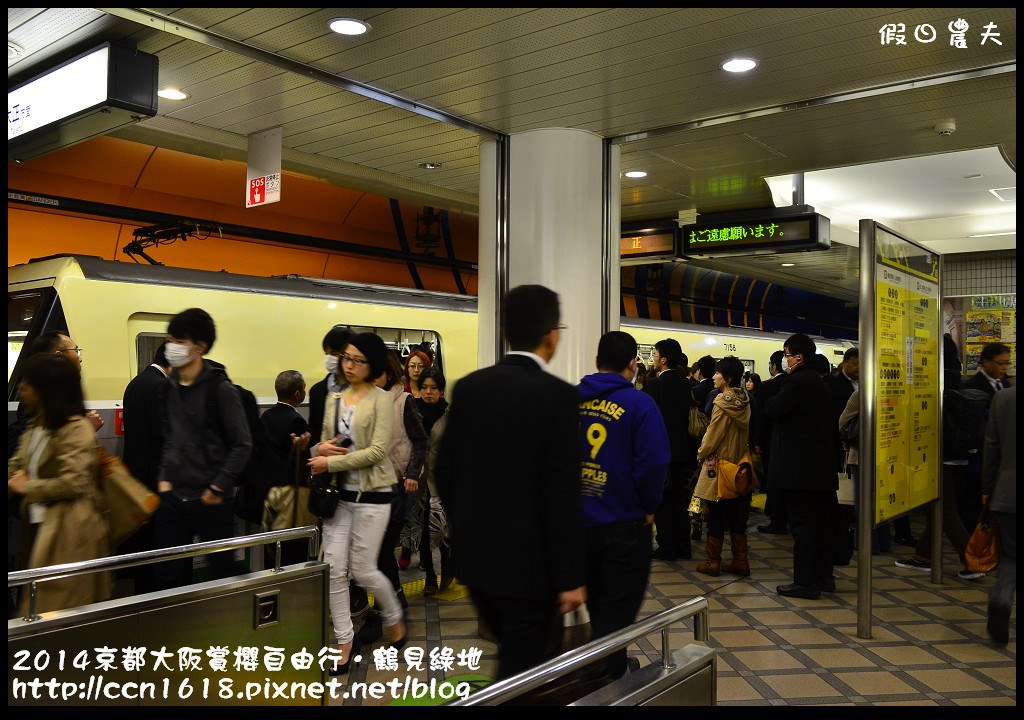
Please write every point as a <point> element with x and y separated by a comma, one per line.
<point>348,26</point>
<point>739,65</point>
<point>1011,232</point>
<point>172,94</point>
<point>788,264</point>
<point>635,174</point>
<point>995,191</point>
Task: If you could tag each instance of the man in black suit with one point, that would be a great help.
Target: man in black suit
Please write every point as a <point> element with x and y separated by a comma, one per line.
<point>284,427</point>
<point>774,502</point>
<point>671,392</point>
<point>705,382</point>
<point>802,461</point>
<point>990,378</point>
<point>143,446</point>
<point>285,432</point>
<point>508,473</point>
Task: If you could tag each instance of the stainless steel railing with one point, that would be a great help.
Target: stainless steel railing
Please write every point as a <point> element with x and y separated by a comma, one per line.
<point>527,680</point>
<point>148,557</point>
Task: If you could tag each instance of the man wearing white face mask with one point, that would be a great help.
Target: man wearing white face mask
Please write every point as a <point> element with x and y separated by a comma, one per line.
<point>200,462</point>
<point>334,344</point>
<point>802,464</point>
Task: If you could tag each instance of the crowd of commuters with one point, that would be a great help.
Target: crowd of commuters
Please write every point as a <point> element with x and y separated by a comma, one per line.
<point>587,478</point>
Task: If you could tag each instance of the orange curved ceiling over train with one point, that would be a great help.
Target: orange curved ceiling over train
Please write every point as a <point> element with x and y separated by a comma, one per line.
<point>134,176</point>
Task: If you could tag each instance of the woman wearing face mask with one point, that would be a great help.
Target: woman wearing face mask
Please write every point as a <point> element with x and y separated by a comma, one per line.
<point>360,422</point>
<point>54,469</point>
<point>415,364</point>
<point>726,438</point>
<point>434,410</point>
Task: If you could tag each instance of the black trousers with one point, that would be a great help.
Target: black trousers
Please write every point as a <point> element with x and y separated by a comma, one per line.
<point>671,517</point>
<point>728,515</point>
<point>177,522</point>
<point>812,517</point>
<point>618,566</point>
<point>386,561</point>
<point>529,631</point>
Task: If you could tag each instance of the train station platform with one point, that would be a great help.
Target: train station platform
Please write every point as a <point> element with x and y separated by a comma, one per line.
<point>928,647</point>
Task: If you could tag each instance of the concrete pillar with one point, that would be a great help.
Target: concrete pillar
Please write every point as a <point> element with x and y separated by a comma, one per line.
<point>561,230</point>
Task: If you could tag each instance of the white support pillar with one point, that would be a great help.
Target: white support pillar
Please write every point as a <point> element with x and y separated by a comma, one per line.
<point>562,232</point>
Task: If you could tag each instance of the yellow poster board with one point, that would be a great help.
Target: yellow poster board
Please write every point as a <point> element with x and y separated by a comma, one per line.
<point>908,335</point>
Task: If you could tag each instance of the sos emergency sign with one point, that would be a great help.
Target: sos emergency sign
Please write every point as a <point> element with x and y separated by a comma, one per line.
<point>263,190</point>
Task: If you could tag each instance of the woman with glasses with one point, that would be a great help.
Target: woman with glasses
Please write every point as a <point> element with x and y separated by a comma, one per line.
<point>360,422</point>
<point>415,364</point>
<point>54,473</point>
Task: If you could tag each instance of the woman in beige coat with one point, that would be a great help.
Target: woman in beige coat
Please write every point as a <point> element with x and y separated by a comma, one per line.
<point>360,422</point>
<point>55,472</point>
<point>726,438</point>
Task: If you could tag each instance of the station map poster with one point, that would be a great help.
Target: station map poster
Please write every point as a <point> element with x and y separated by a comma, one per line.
<point>908,333</point>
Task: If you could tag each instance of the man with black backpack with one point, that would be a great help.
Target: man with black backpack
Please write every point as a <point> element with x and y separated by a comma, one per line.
<point>203,456</point>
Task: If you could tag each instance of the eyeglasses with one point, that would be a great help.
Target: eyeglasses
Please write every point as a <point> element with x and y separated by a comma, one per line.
<point>789,355</point>
<point>75,349</point>
<point>560,327</point>
<point>355,361</point>
<point>416,366</point>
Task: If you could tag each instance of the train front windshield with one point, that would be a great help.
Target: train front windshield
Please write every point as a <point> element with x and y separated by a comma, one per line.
<point>29,314</point>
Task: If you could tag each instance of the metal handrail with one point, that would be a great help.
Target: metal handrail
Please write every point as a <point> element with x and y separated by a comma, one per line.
<point>113,562</point>
<point>510,687</point>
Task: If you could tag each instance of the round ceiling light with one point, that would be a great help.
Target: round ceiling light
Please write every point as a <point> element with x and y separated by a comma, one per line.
<point>739,65</point>
<point>430,165</point>
<point>172,94</point>
<point>348,26</point>
<point>788,264</point>
<point>14,51</point>
<point>635,174</point>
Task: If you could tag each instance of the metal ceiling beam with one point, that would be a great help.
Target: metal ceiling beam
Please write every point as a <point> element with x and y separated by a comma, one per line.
<point>188,31</point>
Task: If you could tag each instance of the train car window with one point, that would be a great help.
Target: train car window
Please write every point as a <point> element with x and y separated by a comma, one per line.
<point>403,341</point>
<point>30,313</point>
<point>146,344</point>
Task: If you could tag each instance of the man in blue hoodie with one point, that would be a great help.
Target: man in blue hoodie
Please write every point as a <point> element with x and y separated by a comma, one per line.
<point>624,457</point>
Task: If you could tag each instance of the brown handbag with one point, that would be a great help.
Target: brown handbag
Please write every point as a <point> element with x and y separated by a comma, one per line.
<point>982,551</point>
<point>129,503</point>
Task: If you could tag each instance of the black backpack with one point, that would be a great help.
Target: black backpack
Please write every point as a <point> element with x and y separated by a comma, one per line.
<point>964,414</point>
<point>252,484</point>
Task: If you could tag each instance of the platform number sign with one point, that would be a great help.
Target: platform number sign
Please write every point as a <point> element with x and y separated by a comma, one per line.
<point>264,189</point>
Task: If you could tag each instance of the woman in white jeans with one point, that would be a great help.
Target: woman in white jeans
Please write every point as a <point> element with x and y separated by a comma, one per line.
<point>359,420</point>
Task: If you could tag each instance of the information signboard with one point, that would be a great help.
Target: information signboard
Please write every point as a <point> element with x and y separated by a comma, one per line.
<point>908,336</point>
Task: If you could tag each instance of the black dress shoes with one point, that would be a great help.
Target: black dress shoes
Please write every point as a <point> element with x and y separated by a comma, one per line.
<point>771,529</point>
<point>808,592</point>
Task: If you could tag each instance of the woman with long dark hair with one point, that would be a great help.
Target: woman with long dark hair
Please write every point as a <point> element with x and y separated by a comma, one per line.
<point>433,409</point>
<point>55,470</point>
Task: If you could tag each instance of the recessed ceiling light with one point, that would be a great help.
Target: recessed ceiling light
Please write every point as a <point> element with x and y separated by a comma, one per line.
<point>14,51</point>
<point>738,65</point>
<point>348,26</point>
<point>635,174</point>
<point>430,165</point>
<point>995,191</point>
<point>788,264</point>
<point>172,94</point>
<point>1011,232</point>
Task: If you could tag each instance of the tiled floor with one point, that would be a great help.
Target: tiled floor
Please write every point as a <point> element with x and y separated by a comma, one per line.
<point>928,644</point>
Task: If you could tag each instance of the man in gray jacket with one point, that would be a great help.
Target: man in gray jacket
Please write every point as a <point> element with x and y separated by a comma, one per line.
<point>999,492</point>
<point>200,462</point>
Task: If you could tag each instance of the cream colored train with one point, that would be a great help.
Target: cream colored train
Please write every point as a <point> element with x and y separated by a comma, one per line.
<point>118,313</point>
